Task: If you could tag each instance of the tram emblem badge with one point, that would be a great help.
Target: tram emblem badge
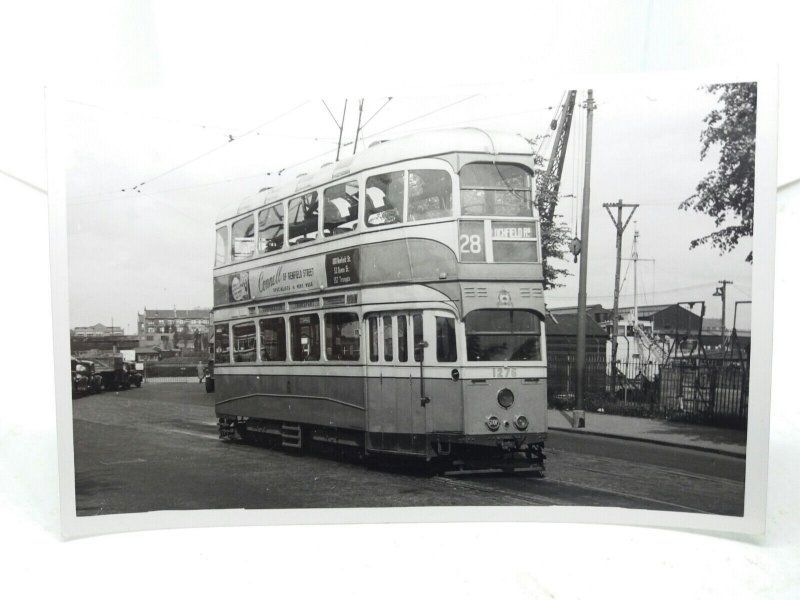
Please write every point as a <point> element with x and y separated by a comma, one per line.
<point>504,298</point>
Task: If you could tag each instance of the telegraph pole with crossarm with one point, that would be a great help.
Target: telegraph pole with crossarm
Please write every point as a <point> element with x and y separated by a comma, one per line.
<point>620,227</point>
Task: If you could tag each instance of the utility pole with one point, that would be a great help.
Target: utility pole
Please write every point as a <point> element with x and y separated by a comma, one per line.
<point>722,291</point>
<point>578,415</point>
<point>620,227</point>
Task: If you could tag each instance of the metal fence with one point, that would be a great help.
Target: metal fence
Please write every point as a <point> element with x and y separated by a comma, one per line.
<point>155,372</point>
<point>699,390</point>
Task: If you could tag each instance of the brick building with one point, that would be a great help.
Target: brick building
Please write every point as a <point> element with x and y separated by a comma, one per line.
<point>163,328</point>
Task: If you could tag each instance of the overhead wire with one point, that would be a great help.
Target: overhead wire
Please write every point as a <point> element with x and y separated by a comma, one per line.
<point>232,139</point>
<point>427,114</point>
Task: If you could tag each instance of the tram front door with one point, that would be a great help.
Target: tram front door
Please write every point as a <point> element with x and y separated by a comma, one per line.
<point>396,419</point>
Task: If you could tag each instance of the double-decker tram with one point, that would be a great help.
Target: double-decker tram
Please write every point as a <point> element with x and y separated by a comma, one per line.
<point>391,302</point>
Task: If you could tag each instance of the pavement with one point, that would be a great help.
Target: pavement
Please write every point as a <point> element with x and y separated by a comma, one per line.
<point>730,442</point>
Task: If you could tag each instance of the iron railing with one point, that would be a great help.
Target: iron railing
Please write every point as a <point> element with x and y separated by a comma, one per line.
<point>696,389</point>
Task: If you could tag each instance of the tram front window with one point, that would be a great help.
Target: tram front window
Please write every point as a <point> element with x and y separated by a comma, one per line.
<point>501,335</point>
<point>489,189</point>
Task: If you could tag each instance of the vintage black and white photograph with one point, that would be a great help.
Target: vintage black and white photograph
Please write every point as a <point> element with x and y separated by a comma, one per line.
<point>533,297</point>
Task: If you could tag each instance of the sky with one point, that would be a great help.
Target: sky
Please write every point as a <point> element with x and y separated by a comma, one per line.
<point>149,171</point>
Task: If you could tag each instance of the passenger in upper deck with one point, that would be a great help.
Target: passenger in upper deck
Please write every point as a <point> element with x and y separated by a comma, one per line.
<point>429,195</point>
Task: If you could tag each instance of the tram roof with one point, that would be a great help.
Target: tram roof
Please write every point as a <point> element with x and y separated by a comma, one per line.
<point>470,140</point>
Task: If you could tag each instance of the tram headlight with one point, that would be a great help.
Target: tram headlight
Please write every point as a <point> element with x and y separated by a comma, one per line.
<point>521,422</point>
<point>505,398</point>
<point>493,423</point>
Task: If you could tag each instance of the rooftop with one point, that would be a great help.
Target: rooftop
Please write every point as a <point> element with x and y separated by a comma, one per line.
<point>417,145</point>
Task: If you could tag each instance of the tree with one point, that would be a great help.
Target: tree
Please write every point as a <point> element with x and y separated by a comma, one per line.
<point>726,193</point>
<point>555,235</point>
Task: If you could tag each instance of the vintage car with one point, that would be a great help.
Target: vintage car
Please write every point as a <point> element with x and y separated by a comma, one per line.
<point>135,377</point>
<point>95,381</point>
<point>80,382</point>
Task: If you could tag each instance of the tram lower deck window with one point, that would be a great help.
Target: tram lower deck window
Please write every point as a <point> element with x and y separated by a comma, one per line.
<point>221,344</point>
<point>341,336</point>
<point>244,342</point>
<point>500,335</point>
<point>273,339</point>
<point>305,337</point>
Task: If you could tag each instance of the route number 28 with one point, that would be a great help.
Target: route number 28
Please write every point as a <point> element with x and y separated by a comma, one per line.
<point>470,244</point>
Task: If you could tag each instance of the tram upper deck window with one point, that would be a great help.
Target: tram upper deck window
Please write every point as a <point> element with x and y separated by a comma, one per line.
<point>221,344</point>
<point>243,234</point>
<point>270,229</point>
<point>430,194</point>
<point>244,342</point>
<point>273,339</point>
<point>340,212</point>
<point>489,189</point>
<point>305,337</point>
<point>303,219</point>
<point>385,197</point>
<point>495,334</point>
<point>341,336</point>
<point>222,246</point>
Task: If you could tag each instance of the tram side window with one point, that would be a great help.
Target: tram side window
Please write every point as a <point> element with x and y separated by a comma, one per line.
<point>402,338</point>
<point>222,246</point>
<point>340,213</point>
<point>244,342</point>
<point>305,337</point>
<point>372,325</point>
<point>270,229</point>
<point>445,339</point>
<point>388,345</point>
<point>303,219</point>
<point>385,193</point>
<point>416,321</point>
<point>243,234</point>
<point>273,339</point>
<point>341,336</point>
<point>221,344</point>
<point>489,189</point>
<point>430,194</point>
<point>494,334</point>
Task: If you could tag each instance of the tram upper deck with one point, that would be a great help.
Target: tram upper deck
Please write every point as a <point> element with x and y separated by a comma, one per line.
<point>444,206</point>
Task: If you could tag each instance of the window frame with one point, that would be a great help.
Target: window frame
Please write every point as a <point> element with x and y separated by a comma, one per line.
<point>259,322</point>
<point>319,341</point>
<point>283,228</point>
<point>356,318</point>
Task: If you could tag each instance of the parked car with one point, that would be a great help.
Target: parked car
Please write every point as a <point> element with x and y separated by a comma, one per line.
<point>95,381</point>
<point>113,372</point>
<point>80,382</point>
<point>135,377</point>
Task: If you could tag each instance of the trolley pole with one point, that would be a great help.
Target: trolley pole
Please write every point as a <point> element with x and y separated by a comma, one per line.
<point>620,227</point>
<point>578,415</point>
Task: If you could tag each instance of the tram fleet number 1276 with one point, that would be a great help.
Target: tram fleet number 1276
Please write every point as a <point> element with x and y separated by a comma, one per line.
<point>392,303</point>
